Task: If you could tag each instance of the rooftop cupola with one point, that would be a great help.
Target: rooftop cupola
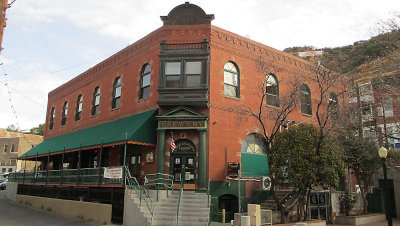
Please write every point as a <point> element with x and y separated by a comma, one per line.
<point>187,14</point>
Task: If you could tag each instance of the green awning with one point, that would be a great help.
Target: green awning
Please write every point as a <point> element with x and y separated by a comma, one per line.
<point>254,165</point>
<point>137,129</point>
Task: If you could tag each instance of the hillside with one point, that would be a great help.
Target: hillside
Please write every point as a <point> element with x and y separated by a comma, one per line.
<point>347,58</point>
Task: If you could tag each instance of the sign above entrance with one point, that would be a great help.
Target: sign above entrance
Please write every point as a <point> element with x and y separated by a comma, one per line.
<point>181,124</point>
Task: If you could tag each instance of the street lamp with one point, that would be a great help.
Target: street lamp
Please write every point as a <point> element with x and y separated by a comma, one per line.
<point>382,151</point>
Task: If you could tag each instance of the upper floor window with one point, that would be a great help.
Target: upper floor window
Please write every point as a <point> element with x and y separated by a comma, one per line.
<point>231,80</point>
<point>78,113</point>
<point>145,76</point>
<point>6,148</point>
<point>13,148</point>
<point>333,103</point>
<point>96,101</point>
<point>305,96</point>
<point>52,116</point>
<point>116,101</point>
<point>183,74</point>
<point>272,90</point>
<point>64,114</point>
<point>386,107</point>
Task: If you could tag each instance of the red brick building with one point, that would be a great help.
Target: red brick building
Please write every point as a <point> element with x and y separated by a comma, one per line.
<point>179,83</point>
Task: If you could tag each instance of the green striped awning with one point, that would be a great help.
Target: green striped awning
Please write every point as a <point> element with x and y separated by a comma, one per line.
<point>135,129</point>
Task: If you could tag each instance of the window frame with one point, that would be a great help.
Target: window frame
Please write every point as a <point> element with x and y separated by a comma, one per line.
<point>64,114</point>
<point>79,107</point>
<point>5,148</point>
<point>254,140</point>
<point>237,73</point>
<point>271,98</point>
<point>52,116</point>
<point>116,100</point>
<point>183,74</point>
<point>95,107</point>
<point>305,100</point>
<point>143,73</point>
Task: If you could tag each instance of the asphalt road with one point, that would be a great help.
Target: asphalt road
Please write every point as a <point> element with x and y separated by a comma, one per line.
<point>12,213</point>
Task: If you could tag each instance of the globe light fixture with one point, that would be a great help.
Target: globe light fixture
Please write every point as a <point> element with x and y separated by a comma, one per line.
<point>382,151</point>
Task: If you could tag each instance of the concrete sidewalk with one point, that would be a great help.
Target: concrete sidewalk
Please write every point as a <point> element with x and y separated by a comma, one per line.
<point>396,222</point>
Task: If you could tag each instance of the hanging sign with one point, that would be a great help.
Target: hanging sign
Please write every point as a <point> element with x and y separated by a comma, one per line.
<point>113,173</point>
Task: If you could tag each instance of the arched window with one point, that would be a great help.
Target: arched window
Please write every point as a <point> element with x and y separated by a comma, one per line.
<point>64,114</point>
<point>52,116</point>
<point>116,100</point>
<point>254,143</point>
<point>333,105</point>
<point>272,90</point>
<point>96,101</point>
<point>231,80</point>
<point>145,76</point>
<point>305,95</point>
<point>78,112</point>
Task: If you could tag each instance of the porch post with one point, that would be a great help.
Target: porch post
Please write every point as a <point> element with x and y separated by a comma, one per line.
<point>79,163</point>
<point>48,163</point>
<point>202,160</point>
<point>34,174</point>
<point>101,152</point>
<point>161,151</point>
<point>62,166</point>
<point>124,167</point>
<point>23,180</point>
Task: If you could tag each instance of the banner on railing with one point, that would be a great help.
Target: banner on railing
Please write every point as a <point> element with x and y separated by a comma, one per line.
<point>114,173</point>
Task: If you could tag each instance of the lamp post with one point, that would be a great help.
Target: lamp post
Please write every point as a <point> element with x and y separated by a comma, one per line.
<point>382,151</point>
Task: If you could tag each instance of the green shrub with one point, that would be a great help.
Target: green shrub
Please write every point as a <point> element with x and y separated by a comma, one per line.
<point>347,202</point>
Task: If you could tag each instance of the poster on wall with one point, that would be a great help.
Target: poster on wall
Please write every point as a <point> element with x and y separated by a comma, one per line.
<point>113,173</point>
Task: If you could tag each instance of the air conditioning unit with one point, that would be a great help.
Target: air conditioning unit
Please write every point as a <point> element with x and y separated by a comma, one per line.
<point>265,183</point>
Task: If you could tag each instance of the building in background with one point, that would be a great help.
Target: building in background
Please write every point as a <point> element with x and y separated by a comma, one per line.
<point>375,99</point>
<point>12,145</point>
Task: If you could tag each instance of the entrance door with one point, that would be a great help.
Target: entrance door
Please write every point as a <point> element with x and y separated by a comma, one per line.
<point>184,168</point>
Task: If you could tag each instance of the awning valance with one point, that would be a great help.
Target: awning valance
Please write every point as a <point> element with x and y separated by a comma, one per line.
<point>136,129</point>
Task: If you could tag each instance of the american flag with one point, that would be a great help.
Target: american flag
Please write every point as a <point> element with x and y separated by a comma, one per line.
<point>173,146</point>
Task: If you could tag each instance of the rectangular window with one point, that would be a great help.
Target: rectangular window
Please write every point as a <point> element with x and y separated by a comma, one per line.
<point>183,74</point>
<point>10,170</point>
<point>172,74</point>
<point>193,74</point>
<point>6,148</point>
<point>13,148</point>
<point>3,170</point>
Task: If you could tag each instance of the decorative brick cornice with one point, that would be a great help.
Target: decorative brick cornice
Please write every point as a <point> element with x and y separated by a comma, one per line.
<point>225,39</point>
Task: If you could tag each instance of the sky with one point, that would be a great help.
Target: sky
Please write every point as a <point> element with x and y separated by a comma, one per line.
<point>48,42</point>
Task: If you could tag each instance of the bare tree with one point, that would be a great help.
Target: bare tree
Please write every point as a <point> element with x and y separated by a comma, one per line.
<point>272,119</point>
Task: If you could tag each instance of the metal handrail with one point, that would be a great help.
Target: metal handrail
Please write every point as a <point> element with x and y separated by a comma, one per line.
<point>209,200</point>
<point>180,194</point>
<point>166,180</point>
<point>159,181</point>
<point>133,183</point>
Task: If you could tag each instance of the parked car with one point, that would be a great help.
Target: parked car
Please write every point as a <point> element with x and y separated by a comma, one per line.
<point>3,184</point>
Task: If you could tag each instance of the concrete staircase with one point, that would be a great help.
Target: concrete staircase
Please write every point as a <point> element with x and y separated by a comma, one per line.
<point>193,209</point>
<point>135,213</point>
<point>270,202</point>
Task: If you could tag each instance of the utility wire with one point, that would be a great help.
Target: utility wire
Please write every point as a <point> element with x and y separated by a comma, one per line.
<point>12,105</point>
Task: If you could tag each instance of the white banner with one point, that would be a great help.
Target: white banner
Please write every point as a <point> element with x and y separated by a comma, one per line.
<point>113,173</point>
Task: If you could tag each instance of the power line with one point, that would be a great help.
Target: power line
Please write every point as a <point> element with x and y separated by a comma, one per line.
<point>11,103</point>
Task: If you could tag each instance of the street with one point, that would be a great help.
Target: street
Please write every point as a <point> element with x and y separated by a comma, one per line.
<point>12,213</point>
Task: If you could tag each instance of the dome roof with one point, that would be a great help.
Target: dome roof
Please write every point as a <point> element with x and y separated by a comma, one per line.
<point>187,14</point>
